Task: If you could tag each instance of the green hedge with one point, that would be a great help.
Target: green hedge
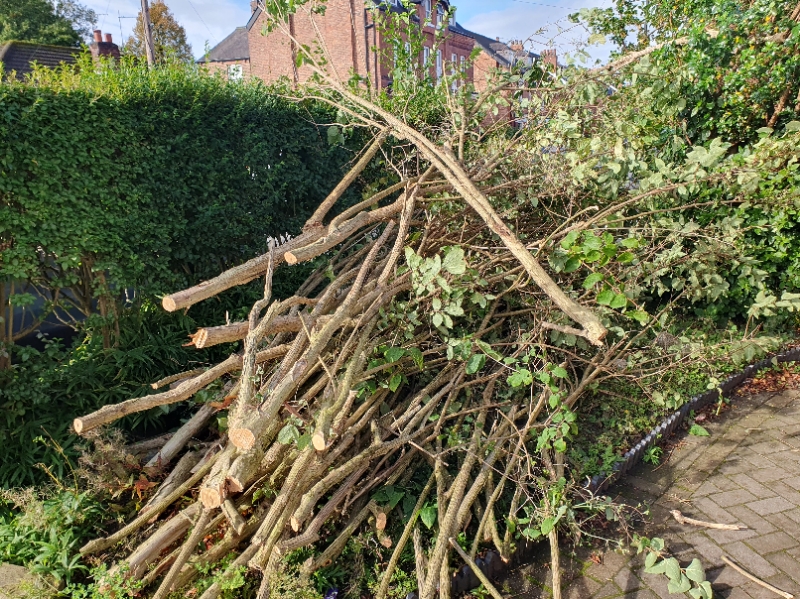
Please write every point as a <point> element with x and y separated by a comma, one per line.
<point>123,178</point>
<point>158,177</point>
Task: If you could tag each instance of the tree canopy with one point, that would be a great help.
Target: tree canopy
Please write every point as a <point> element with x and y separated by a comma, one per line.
<point>63,23</point>
<point>169,37</point>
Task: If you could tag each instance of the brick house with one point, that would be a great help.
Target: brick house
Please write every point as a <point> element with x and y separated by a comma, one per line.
<point>19,57</point>
<point>355,45</point>
<point>231,56</point>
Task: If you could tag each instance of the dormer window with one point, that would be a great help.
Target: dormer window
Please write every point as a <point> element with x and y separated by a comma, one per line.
<point>439,16</point>
<point>453,17</point>
<point>426,7</point>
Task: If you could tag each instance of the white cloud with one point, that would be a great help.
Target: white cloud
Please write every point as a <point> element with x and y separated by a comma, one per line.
<point>539,26</point>
<point>204,20</point>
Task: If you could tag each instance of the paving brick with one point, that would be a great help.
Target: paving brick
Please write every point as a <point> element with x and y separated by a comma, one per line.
<point>752,520</point>
<point>641,594</point>
<point>708,487</point>
<point>793,482</point>
<point>765,473</point>
<point>767,447</point>
<point>770,543</point>
<point>789,564</point>
<point>712,511</point>
<point>752,485</point>
<point>755,563</point>
<point>786,492</point>
<point>607,591</point>
<point>729,498</point>
<point>772,505</point>
<point>628,581</point>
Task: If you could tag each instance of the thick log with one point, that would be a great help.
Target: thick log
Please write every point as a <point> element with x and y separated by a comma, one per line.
<point>215,489</point>
<point>236,331</point>
<point>182,392</point>
<point>238,275</point>
<point>181,437</point>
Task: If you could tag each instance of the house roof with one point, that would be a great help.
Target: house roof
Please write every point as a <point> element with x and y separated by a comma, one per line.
<point>19,56</point>
<point>233,47</point>
<point>502,53</point>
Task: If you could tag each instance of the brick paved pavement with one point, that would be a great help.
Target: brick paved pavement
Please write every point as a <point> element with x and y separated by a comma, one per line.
<point>747,472</point>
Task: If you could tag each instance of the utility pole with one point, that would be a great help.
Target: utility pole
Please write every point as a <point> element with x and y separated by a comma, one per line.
<point>148,34</point>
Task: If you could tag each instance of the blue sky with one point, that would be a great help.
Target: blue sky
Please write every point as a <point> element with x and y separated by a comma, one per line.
<point>540,23</point>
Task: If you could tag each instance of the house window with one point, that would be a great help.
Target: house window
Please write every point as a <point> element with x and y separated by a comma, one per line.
<point>453,16</point>
<point>426,6</point>
<point>439,16</point>
<point>235,72</point>
<point>439,66</point>
<point>463,64</point>
<point>426,57</point>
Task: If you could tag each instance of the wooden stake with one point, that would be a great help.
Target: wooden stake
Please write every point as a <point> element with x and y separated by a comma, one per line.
<point>755,579</point>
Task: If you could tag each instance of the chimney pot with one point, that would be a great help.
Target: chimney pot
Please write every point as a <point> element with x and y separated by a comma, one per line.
<point>98,35</point>
<point>253,5</point>
<point>108,38</point>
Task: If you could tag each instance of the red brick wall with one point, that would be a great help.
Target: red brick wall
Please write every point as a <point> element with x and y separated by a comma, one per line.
<point>347,42</point>
<point>222,66</point>
<point>342,39</point>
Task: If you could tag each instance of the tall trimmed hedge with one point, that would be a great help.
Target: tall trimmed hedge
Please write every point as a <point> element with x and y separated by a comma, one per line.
<point>158,178</point>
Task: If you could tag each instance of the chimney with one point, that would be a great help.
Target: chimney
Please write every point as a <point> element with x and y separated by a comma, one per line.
<point>549,58</point>
<point>253,5</point>
<point>103,48</point>
<point>516,45</point>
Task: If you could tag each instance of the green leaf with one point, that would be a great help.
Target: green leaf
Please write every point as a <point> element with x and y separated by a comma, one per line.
<point>698,431</point>
<point>569,240</point>
<point>626,257</point>
<point>475,363</point>
<point>395,382</point>
<point>651,559</point>
<point>532,533</point>
<point>681,585</point>
<point>631,243</point>
<point>487,349</point>
<point>620,301</point>
<point>288,434</point>
<point>454,262</point>
<point>673,568</point>
<point>428,515</point>
<point>708,593</point>
<point>639,316</point>
<point>592,280</point>
<point>695,571</point>
<point>437,319</point>
<point>572,265</point>
<point>417,356</point>
<point>547,525</point>
<point>792,126</point>
<point>521,377</point>
<point>658,568</point>
<point>605,297</point>
<point>559,372</point>
<point>393,354</point>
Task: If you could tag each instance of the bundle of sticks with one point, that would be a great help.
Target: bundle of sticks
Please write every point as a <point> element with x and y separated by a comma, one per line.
<point>347,387</point>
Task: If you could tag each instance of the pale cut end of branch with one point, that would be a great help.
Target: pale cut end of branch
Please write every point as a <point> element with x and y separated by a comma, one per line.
<point>242,438</point>
<point>318,441</point>
<point>77,424</point>
<point>291,259</point>
<point>169,304</point>
<point>212,498</point>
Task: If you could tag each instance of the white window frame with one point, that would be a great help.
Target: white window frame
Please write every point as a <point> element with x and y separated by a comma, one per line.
<point>463,63</point>
<point>453,16</point>
<point>426,8</point>
<point>440,16</point>
<point>439,65</point>
<point>235,72</point>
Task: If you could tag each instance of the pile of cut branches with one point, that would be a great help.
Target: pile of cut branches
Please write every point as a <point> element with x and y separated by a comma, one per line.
<point>431,342</point>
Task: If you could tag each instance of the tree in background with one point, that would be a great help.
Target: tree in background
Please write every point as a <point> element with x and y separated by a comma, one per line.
<point>63,22</point>
<point>169,37</point>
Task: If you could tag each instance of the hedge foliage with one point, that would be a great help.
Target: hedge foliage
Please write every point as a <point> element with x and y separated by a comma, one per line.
<point>159,178</point>
<point>120,179</point>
